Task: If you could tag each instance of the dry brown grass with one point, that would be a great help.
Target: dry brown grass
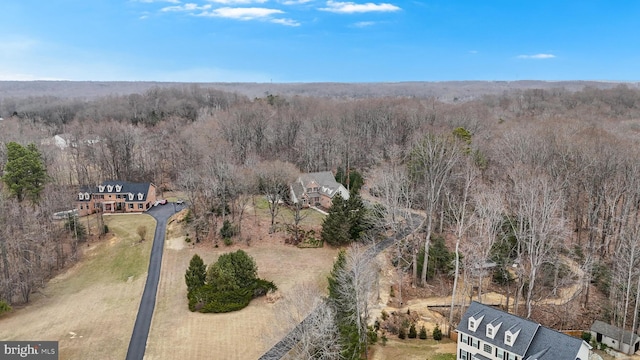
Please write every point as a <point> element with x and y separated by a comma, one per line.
<point>91,308</point>
<point>177,333</point>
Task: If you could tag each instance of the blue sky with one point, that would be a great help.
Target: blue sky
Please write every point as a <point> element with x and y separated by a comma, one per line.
<point>319,41</point>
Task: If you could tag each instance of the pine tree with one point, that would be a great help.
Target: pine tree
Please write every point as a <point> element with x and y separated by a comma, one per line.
<point>437,333</point>
<point>196,273</point>
<point>336,227</point>
<point>423,333</point>
<point>24,173</point>
<point>412,331</point>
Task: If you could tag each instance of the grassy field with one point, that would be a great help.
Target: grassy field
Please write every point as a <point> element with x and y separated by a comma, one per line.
<point>414,349</point>
<point>90,308</point>
<point>246,334</point>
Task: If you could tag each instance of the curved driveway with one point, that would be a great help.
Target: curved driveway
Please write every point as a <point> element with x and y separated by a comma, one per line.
<point>138,341</point>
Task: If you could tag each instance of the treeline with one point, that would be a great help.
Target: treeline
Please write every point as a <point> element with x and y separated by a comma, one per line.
<point>557,169</point>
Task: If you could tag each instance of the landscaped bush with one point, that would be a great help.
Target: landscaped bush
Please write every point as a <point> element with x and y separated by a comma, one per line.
<point>412,332</point>
<point>402,333</point>
<point>228,230</point>
<point>423,333</point>
<point>437,333</point>
<point>230,284</point>
<point>586,336</point>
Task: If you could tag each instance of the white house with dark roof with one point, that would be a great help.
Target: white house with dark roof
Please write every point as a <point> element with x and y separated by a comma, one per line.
<point>615,338</point>
<point>115,196</point>
<point>485,333</point>
<point>317,189</point>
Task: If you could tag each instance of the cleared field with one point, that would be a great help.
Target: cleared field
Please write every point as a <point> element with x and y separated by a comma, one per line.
<point>91,308</point>
<point>177,333</point>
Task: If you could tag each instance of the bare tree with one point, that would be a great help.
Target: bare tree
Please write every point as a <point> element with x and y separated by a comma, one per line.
<point>274,179</point>
<point>430,165</point>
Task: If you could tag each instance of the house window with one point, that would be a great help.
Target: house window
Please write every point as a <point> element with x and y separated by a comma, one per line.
<point>118,188</point>
<point>475,343</point>
<point>86,196</point>
<point>81,206</point>
<point>487,348</point>
<point>463,355</point>
<point>464,339</point>
<point>130,196</point>
<point>101,188</point>
<point>511,356</point>
<point>500,353</point>
<point>490,332</point>
<point>80,196</point>
<point>140,206</point>
<point>140,196</point>
<point>109,188</point>
<point>130,206</point>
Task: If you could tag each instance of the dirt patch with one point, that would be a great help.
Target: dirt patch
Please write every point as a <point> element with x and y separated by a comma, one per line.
<point>176,243</point>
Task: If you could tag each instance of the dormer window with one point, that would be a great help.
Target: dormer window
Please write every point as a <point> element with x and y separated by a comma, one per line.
<point>86,196</point>
<point>473,322</point>
<point>109,188</point>
<point>118,188</point>
<point>130,196</point>
<point>101,188</point>
<point>140,196</point>
<point>510,337</point>
<point>492,329</point>
<point>80,196</point>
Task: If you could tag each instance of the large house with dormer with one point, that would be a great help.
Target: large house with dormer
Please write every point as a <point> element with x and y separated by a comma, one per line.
<point>485,333</point>
<point>116,197</point>
<point>317,189</point>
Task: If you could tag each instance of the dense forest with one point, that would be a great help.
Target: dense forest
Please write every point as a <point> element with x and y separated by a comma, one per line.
<point>544,179</point>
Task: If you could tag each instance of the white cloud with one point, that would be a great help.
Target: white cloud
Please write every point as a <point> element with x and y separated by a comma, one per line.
<point>241,13</point>
<point>537,56</point>
<point>362,24</point>
<point>185,7</point>
<point>286,22</point>
<point>351,7</point>
<point>238,2</point>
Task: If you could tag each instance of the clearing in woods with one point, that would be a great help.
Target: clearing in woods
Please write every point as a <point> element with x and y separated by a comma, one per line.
<point>177,333</point>
<point>90,308</point>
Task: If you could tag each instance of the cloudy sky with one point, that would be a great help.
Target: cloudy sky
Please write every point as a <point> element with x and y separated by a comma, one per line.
<point>313,40</point>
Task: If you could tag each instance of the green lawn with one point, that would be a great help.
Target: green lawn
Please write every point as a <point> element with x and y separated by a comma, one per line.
<point>115,259</point>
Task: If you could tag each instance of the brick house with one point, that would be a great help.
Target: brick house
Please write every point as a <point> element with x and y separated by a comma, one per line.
<point>485,333</point>
<point>317,189</point>
<point>115,197</point>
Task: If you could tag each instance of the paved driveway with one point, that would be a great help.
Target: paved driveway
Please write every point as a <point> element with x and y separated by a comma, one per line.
<point>138,341</point>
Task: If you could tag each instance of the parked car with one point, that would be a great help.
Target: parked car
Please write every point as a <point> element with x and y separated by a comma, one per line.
<point>163,201</point>
<point>179,201</point>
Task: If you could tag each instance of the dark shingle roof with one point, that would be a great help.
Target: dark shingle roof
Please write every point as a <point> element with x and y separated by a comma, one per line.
<point>534,342</point>
<point>509,322</point>
<point>127,187</point>
<point>549,344</point>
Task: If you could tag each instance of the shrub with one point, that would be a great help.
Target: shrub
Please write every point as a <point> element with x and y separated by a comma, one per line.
<point>4,307</point>
<point>423,333</point>
<point>402,333</point>
<point>586,336</point>
<point>383,339</point>
<point>412,331</point>
<point>437,333</point>
<point>228,241</point>
<point>105,229</point>
<point>384,315</point>
<point>372,335</point>
<point>188,217</point>
<point>228,230</point>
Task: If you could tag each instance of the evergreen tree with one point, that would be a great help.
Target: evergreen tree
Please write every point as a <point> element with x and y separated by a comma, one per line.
<point>339,286</point>
<point>437,333</point>
<point>24,173</point>
<point>423,333</point>
<point>346,222</point>
<point>196,273</point>
<point>412,331</point>
<point>336,227</point>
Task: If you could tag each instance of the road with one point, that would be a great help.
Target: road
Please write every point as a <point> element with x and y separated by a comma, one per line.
<point>140,333</point>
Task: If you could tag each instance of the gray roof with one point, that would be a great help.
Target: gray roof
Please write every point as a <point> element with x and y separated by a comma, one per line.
<point>325,180</point>
<point>613,332</point>
<point>534,342</point>
<point>549,344</point>
<point>127,187</point>
<point>509,322</point>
